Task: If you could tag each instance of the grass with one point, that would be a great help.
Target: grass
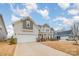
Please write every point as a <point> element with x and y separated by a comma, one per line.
<point>66,47</point>
<point>6,49</point>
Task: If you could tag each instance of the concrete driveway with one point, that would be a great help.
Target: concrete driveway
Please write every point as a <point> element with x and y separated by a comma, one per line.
<point>36,49</point>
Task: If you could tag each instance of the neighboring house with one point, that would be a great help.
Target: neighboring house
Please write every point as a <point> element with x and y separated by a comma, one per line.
<point>25,30</point>
<point>45,32</point>
<point>63,35</point>
<point>3,31</point>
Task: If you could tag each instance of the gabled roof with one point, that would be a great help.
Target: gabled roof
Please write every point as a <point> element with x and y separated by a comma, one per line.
<point>46,25</point>
<point>25,18</point>
<point>39,25</point>
<point>3,22</point>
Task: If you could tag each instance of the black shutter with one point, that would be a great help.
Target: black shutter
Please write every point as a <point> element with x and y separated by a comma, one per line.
<point>31,25</point>
<point>24,24</point>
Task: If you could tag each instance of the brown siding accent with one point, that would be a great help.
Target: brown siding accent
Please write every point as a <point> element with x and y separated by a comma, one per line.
<point>31,25</point>
<point>24,24</point>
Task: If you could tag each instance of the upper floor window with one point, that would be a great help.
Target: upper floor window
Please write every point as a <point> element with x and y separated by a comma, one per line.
<point>28,24</point>
<point>47,30</point>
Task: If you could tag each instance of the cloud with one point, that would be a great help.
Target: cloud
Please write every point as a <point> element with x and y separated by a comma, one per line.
<point>58,28</point>
<point>67,21</point>
<point>18,11</point>
<point>28,8</point>
<point>44,13</point>
<point>22,12</point>
<point>62,23</point>
<point>14,18</point>
<point>31,6</point>
<point>10,30</point>
<point>76,18</point>
<point>64,5</point>
<point>73,11</point>
<point>64,20</point>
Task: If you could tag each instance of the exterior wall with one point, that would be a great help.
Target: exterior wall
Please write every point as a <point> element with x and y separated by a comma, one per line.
<point>64,35</point>
<point>25,35</point>
<point>3,33</point>
<point>52,34</point>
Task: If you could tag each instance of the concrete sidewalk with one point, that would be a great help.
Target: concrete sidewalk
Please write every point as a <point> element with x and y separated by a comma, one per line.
<point>36,49</point>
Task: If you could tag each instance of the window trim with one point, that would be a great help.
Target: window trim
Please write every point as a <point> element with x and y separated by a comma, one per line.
<point>28,25</point>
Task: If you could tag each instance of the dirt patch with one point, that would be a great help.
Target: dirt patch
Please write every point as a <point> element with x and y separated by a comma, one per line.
<point>66,47</point>
<point>6,49</point>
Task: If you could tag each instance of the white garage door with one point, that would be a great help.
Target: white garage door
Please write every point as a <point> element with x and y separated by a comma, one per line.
<point>26,38</point>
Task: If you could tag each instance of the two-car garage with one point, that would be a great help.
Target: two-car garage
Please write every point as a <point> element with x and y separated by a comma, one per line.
<point>26,38</point>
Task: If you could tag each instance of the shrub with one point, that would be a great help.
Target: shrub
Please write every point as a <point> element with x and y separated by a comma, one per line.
<point>13,41</point>
<point>52,39</point>
<point>70,39</point>
<point>67,39</point>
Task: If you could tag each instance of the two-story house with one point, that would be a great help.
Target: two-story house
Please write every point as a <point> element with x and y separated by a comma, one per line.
<point>63,35</point>
<point>45,32</point>
<point>3,31</point>
<point>25,30</point>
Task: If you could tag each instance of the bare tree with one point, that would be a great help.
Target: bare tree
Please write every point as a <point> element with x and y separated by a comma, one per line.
<point>75,33</point>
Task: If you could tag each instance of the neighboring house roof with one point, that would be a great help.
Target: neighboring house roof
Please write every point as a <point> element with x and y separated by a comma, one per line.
<point>3,22</point>
<point>64,33</point>
<point>46,25</point>
<point>39,25</point>
<point>52,29</point>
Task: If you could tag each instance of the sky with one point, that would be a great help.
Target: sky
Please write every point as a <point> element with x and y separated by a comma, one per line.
<point>59,16</point>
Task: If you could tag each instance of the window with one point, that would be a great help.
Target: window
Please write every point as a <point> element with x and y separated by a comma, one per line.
<point>47,30</point>
<point>28,24</point>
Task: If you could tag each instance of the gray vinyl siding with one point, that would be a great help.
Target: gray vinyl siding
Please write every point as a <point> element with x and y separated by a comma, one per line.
<point>24,24</point>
